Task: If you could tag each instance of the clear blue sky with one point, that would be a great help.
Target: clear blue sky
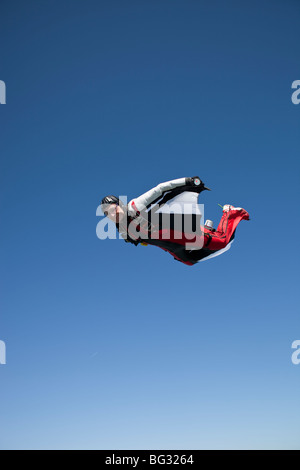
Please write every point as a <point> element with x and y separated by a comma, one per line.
<point>111,346</point>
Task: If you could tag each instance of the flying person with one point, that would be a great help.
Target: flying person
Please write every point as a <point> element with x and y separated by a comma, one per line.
<point>168,216</point>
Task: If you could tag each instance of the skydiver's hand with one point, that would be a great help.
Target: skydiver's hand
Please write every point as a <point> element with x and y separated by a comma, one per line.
<point>194,181</point>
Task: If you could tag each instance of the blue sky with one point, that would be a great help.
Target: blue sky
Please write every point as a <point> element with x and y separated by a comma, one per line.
<point>111,346</point>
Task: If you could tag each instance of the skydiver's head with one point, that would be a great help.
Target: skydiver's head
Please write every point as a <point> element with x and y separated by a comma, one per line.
<point>113,208</point>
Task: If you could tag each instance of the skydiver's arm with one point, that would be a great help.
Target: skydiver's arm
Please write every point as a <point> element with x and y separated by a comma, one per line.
<point>139,203</point>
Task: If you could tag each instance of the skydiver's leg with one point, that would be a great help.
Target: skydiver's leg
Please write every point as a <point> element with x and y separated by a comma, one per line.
<point>225,232</point>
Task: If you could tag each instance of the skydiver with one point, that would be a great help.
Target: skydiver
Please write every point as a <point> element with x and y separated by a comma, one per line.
<point>135,225</point>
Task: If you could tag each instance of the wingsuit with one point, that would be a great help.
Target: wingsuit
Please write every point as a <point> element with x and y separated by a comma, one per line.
<point>168,216</point>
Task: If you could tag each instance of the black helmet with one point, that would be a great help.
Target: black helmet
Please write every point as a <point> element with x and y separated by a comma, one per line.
<point>107,200</point>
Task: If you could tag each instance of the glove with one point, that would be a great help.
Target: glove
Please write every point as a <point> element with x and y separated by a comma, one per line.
<point>194,181</point>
